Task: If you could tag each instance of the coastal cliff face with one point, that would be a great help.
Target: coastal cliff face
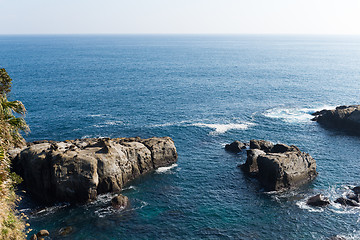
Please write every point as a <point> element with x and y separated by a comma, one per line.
<point>278,166</point>
<point>79,170</point>
<point>343,117</point>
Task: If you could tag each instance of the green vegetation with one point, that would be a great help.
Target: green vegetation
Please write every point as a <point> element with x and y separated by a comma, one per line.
<point>12,225</point>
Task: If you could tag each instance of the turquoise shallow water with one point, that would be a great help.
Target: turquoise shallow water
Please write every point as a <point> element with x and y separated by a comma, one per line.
<point>204,92</point>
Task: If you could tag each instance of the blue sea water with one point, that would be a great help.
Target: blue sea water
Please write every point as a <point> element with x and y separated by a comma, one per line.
<point>203,91</point>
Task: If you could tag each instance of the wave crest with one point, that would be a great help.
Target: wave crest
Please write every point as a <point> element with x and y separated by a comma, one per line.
<point>222,128</point>
<point>294,115</point>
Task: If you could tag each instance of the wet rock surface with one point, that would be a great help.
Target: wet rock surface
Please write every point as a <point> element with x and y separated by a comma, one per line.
<point>318,201</point>
<point>78,170</point>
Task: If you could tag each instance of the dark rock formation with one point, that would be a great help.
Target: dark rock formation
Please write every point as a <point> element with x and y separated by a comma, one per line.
<point>279,167</point>
<point>120,201</point>
<point>318,201</point>
<point>41,234</point>
<point>250,166</point>
<point>343,117</point>
<point>235,146</point>
<point>353,196</point>
<point>266,146</point>
<point>356,190</point>
<point>79,170</point>
<point>347,202</point>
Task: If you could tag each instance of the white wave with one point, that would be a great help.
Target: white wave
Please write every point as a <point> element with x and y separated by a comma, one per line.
<point>169,124</point>
<point>131,187</point>
<point>222,128</point>
<point>165,169</point>
<point>303,205</point>
<point>114,122</point>
<point>52,209</point>
<point>294,115</point>
<point>98,115</point>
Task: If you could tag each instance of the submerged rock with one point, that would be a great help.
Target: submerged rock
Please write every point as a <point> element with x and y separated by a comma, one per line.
<point>343,117</point>
<point>79,170</point>
<point>235,146</point>
<point>279,167</point>
<point>318,201</point>
<point>66,231</point>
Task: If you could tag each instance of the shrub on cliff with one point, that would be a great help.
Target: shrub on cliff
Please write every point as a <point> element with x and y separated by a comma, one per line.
<point>12,225</point>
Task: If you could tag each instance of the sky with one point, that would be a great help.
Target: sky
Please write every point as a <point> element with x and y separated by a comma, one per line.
<point>180,17</point>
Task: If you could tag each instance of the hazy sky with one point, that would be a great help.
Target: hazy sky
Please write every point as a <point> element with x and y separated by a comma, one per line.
<point>180,16</point>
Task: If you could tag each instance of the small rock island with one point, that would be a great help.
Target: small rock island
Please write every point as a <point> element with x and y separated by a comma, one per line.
<point>278,167</point>
<point>78,170</point>
<point>343,117</point>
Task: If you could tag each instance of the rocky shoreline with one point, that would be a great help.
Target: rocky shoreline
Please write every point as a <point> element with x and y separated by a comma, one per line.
<point>78,170</point>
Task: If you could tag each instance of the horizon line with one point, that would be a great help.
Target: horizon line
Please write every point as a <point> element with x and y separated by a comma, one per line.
<point>169,34</point>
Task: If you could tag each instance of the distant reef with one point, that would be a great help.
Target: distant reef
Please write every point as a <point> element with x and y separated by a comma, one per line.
<point>343,117</point>
<point>277,167</point>
<point>78,170</point>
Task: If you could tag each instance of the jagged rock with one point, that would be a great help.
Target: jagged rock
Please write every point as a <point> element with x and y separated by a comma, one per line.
<point>343,117</point>
<point>250,166</point>
<point>120,201</point>
<point>235,146</point>
<point>353,196</point>
<point>279,171</point>
<point>318,201</point>
<point>78,170</point>
<point>356,190</point>
<point>347,202</point>
<point>282,148</point>
<point>33,237</point>
<point>266,146</point>
<point>279,167</point>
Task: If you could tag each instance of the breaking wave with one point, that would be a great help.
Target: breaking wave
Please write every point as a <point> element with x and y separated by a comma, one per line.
<point>294,115</point>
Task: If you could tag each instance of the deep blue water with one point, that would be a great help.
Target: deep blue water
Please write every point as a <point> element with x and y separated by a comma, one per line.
<point>204,92</point>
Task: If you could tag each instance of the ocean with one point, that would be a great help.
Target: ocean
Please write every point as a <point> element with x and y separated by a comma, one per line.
<point>204,91</point>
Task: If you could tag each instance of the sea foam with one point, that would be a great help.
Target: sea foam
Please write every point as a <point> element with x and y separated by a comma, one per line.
<point>222,128</point>
<point>293,115</point>
<point>166,169</point>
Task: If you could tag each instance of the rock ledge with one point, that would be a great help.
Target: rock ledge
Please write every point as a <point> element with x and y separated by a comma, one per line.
<point>78,170</point>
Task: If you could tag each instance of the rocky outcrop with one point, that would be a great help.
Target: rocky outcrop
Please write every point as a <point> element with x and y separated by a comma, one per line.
<point>318,201</point>
<point>79,170</point>
<point>343,117</point>
<point>279,166</point>
<point>120,201</point>
<point>235,146</point>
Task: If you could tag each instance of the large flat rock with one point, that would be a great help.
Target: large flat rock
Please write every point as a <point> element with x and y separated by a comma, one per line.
<point>79,170</point>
